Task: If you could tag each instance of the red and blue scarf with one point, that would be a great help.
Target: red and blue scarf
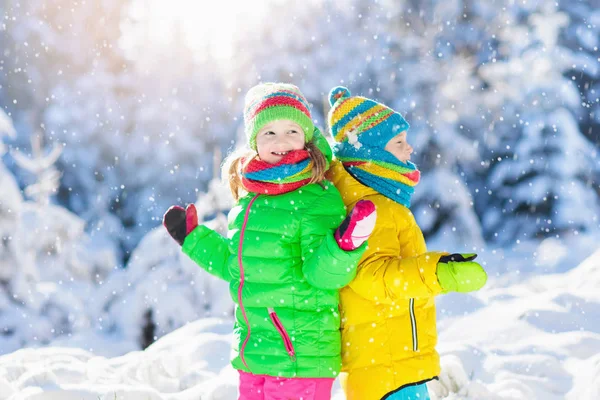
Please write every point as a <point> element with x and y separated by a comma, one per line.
<point>293,171</point>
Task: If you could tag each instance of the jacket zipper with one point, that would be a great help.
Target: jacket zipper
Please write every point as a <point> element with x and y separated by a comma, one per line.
<point>413,323</point>
<point>240,247</point>
<point>287,342</point>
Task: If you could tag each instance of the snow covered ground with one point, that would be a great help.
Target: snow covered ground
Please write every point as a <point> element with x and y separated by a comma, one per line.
<point>533,336</point>
<point>190,363</point>
<point>537,340</point>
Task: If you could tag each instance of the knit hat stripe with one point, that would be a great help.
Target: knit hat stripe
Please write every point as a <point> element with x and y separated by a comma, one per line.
<point>358,121</point>
<point>284,93</point>
<point>351,109</point>
<point>281,101</point>
<point>296,95</point>
<point>280,92</point>
<point>345,107</point>
<point>375,120</point>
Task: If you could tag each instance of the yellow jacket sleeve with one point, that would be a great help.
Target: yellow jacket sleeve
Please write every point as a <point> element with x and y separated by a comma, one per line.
<point>396,264</point>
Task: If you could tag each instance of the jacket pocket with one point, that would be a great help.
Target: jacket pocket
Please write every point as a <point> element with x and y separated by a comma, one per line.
<point>287,342</point>
<point>413,324</point>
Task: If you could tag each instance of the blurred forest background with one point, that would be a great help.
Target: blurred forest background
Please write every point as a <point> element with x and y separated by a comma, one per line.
<point>116,109</point>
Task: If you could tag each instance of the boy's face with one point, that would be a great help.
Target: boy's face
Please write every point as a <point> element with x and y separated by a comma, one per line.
<point>399,147</point>
<point>278,138</point>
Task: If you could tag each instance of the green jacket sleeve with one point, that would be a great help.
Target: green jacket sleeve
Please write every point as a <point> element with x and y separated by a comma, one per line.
<point>209,250</point>
<point>325,265</point>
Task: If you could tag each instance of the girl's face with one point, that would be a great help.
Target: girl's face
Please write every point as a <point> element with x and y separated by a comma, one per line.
<point>399,147</point>
<point>278,138</point>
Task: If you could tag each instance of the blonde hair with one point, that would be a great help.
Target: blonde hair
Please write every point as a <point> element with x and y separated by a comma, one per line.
<point>235,163</point>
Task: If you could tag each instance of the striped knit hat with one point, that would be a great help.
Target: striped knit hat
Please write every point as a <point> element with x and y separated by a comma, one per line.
<point>362,128</point>
<point>361,121</point>
<point>269,102</point>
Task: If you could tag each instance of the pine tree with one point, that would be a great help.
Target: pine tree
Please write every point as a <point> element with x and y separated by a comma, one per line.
<point>540,165</point>
<point>137,137</point>
<point>49,267</point>
<point>42,166</point>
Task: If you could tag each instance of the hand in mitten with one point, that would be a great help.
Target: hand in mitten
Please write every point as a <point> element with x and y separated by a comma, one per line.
<point>357,227</point>
<point>459,273</point>
<point>180,222</point>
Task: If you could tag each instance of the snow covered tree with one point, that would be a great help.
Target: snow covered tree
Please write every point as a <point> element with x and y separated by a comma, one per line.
<point>541,167</point>
<point>162,289</point>
<point>42,166</point>
<point>139,118</point>
<point>6,129</point>
<point>49,268</point>
<point>137,136</point>
<point>582,37</point>
<point>10,207</point>
<point>68,78</point>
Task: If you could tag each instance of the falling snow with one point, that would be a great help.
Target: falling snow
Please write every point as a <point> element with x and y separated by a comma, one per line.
<point>106,122</point>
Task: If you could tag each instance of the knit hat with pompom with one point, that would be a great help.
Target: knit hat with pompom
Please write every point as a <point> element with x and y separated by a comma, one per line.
<point>360,121</point>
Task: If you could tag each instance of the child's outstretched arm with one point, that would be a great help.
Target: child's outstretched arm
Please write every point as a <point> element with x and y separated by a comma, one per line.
<point>459,273</point>
<point>203,245</point>
<point>394,268</point>
<point>325,264</point>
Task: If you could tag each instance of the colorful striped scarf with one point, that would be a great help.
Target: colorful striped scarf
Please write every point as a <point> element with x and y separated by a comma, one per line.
<point>293,171</point>
<point>380,170</point>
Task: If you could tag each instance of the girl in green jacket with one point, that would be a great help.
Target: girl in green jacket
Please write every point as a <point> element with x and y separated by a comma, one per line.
<point>289,249</point>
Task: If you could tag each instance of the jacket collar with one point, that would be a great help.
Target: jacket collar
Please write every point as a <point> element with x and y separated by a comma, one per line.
<point>350,189</point>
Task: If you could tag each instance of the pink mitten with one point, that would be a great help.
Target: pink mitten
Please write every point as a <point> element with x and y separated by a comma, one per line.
<point>357,227</point>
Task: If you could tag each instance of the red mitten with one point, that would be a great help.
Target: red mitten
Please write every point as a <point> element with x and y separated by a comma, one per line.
<point>180,222</point>
<point>191,218</point>
<point>357,227</point>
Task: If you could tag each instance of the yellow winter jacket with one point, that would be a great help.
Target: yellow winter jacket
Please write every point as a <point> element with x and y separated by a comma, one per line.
<point>388,311</point>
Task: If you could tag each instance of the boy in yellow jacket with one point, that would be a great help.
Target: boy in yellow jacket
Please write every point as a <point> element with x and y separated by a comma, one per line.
<point>388,311</point>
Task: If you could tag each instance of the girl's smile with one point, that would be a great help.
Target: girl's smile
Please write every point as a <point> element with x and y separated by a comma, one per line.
<point>276,139</point>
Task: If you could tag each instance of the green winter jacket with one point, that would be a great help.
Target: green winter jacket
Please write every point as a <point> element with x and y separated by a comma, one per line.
<point>285,270</point>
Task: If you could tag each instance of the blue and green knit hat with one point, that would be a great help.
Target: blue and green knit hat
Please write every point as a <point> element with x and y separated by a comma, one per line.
<point>359,121</point>
<point>269,102</point>
<point>362,128</point>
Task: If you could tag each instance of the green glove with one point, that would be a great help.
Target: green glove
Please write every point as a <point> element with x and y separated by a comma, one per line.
<point>459,273</point>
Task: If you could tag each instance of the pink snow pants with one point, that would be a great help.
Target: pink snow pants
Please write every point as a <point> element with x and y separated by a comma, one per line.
<point>264,387</point>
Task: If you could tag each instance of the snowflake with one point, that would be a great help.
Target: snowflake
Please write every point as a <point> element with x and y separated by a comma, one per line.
<point>353,139</point>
